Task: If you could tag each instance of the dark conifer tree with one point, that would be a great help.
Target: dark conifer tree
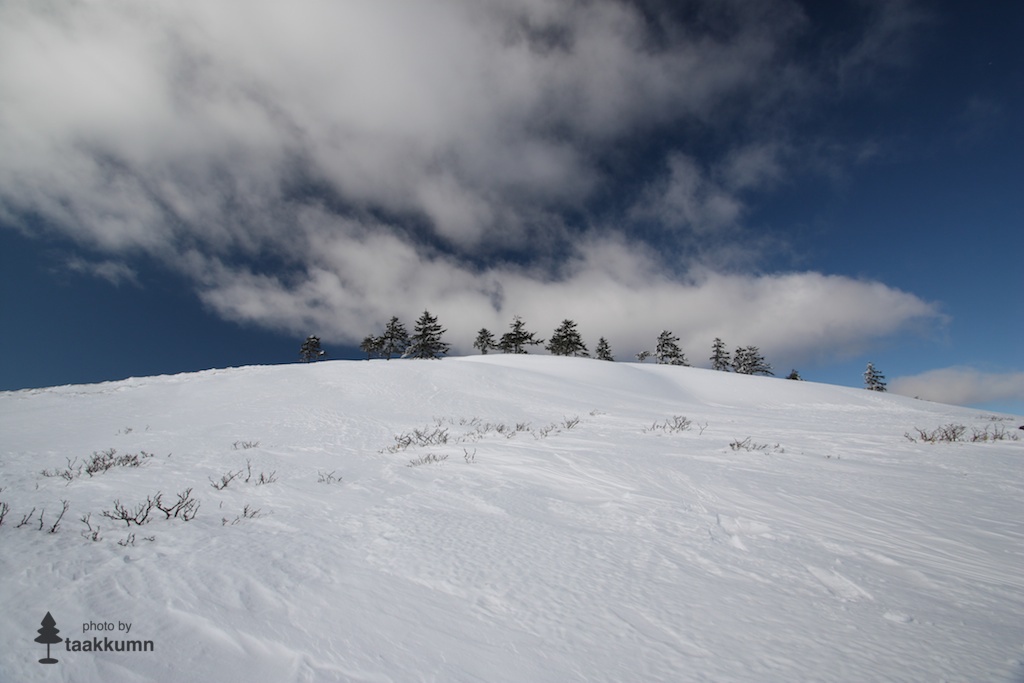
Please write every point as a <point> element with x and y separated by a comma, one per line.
<point>517,338</point>
<point>566,341</point>
<point>395,339</point>
<point>426,338</point>
<point>793,374</point>
<point>372,346</point>
<point>667,352</point>
<point>310,349</point>
<point>748,361</point>
<point>719,356</point>
<point>485,341</point>
<point>603,350</point>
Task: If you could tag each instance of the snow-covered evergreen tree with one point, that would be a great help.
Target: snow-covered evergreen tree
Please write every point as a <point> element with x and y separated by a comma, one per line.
<point>603,350</point>
<point>310,349</point>
<point>719,356</point>
<point>873,379</point>
<point>566,341</point>
<point>748,361</point>
<point>372,346</point>
<point>793,374</point>
<point>517,338</point>
<point>395,339</point>
<point>667,352</point>
<point>485,341</point>
<point>426,338</point>
<point>643,356</point>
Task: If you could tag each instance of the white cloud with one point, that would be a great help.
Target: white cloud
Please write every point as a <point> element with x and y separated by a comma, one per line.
<point>112,271</point>
<point>962,386</point>
<point>361,278</point>
<point>392,156</point>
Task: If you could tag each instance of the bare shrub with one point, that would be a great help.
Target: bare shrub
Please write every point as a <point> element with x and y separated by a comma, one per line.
<point>137,515</point>
<point>749,445</point>
<point>69,473</point>
<point>93,534</point>
<point>4,509</point>
<point>245,445</point>
<point>677,423</point>
<point>25,520</point>
<point>326,477</point>
<point>64,509</point>
<point>248,512</point>
<point>103,461</point>
<point>225,479</point>
<point>418,437</point>
<point>185,507</point>
<point>428,459</point>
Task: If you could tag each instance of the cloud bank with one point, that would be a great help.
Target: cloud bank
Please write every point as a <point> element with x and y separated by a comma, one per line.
<point>962,386</point>
<point>317,166</point>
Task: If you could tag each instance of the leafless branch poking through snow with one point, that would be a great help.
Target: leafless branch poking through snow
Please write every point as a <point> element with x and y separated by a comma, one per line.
<point>4,509</point>
<point>185,507</point>
<point>749,445</point>
<point>952,433</point>
<point>248,512</point>
<point>138,515</point>
<point>93,534</point>
<point>64,509</point>
<point>428,459</point>
<point>26,518</point>
<point>246,445</point>
<point>103,461</point>
<point>677,423</point>
<point>70,473</point>
<point>225,479</point>
<point>326,477</point>
<point>418,437</point>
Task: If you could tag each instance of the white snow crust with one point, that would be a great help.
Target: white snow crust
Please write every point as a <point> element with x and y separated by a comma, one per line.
<point>566,531</point>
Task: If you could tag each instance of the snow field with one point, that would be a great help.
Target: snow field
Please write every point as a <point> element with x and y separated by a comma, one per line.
<point>551,533</point>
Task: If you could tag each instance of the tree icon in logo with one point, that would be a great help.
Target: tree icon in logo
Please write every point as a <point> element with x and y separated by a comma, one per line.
<point>48,634</point>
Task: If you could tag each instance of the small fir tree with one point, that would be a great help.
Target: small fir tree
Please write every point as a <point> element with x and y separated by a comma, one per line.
<point>517,338</point>
<point>395,339</point>
<point>310,349</point>
<point>793,374</point>
<point>426,338</point>
<point>603,350</point>
<point>566,341</point>
<point>643,356</point>
<point>667,352</point>
<point>719,356</point>
<point>748,361</point>
<point>485,341</point>
<point>372,346</point>
<point>873,379</point>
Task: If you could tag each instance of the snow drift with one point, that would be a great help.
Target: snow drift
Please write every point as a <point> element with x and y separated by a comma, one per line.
<point>502,518</point>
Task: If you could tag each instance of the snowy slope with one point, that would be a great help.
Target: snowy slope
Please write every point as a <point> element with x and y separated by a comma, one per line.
<point>570,529</point>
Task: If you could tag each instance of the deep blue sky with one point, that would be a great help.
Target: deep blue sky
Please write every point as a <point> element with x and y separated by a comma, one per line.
<point>182,188</point>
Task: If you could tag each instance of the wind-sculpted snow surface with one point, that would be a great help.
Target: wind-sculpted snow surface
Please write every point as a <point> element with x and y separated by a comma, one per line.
<point>577,521</point>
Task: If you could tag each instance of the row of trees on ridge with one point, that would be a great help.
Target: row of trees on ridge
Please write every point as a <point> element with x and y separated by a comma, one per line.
<point>426,342</point>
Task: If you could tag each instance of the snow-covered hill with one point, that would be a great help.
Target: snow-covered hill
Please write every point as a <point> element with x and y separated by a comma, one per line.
<point>502,518</point>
